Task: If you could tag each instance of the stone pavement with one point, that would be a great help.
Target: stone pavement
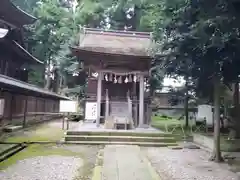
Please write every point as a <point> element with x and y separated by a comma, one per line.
<point>122,162</point>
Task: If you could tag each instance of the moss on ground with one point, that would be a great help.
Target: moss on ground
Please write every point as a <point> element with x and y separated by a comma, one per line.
<point>46,132</point>
<point>37,150</point>
<point>42,133</point>
<point>86,171</point>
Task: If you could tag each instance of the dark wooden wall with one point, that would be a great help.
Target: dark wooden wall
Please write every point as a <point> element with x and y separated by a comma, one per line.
<point>11,64</point>
<point>37,109</point>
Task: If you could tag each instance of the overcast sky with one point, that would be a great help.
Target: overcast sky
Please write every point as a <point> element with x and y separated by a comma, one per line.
<point>173,82</point>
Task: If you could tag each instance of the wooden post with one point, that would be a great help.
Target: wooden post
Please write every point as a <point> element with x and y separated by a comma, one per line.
<point>11,107</point>
<point>129,108</point>
<point>107,105</point>
<point>25,111</point>
<point>141,101</point>
<point>135,109</point>
<point>63,122</point>
<point>99,95</point>
<point>68,121</point>
<point>44,109</point>
<point>36,108</point>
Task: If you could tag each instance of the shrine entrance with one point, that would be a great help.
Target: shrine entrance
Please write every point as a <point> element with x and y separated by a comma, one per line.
<point>117,64</point>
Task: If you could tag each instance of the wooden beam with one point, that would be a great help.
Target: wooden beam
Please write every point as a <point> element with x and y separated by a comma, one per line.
<point>123,72</point>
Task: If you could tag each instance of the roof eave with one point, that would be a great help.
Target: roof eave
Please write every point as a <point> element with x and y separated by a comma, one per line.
<point>77,50</point>
<point>23,18</point>
<point>29,55</point>
<point>11,82</point>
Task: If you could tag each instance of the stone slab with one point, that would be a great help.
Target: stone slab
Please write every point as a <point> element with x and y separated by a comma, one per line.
<point>123,162</point>
<point>11,128</point>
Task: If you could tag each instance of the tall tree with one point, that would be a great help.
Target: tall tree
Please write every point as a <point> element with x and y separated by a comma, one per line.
<point>204,35</point>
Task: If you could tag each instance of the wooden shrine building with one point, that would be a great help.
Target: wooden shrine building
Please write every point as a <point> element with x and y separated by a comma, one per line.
<point>117,63</point>
<point>21,102</point>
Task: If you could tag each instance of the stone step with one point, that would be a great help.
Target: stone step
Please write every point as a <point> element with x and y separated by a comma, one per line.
<point>119,138</point>
<point>146,144</point>
<point>11,151</point>
<point>11,128</point>
<point>119,133</point>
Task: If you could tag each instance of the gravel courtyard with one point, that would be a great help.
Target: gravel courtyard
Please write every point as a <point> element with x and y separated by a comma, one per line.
<point>77,162</point>
<point>43,168</point>
<point>69,162</point>
<point>187,164</point>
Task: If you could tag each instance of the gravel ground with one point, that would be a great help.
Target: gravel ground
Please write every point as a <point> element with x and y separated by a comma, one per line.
<point>89,154</point>
<point>187,164</point>
<point>55,167</point>
<point>43,168</point>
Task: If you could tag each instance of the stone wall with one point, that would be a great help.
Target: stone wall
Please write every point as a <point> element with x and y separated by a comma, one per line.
<point>208,142</point>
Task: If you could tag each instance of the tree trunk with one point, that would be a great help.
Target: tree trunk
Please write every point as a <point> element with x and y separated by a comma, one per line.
<point>235,129</point>
<point>48,82</point>
<point>56,82</point>
<point>216,156</point>
<point>48,76</point>
<point>186,105</point>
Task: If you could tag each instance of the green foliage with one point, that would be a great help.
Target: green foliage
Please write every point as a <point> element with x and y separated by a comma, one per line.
<point>26,5</point>
<point>199,39</point>
<point>57,28</point>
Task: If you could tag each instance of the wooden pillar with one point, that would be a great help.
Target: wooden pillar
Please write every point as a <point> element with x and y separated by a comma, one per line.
<point>12,107</point>
<point>141,100</point>
<point>44,109</point>
<point>107,105</point>
<point>130,108</point>
<point>135,104</point>
<point>36,108</point>
<point>99,95</point>
<point>25,111</point>
<point>150,112</point>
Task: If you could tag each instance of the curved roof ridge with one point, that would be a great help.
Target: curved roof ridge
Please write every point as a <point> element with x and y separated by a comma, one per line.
<point>117,32</point>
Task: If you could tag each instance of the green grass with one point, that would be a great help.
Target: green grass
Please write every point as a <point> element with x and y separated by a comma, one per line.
<point>40,133</point>
<point>43,132</point>
<point>37,150</point>
<point>168,125</point>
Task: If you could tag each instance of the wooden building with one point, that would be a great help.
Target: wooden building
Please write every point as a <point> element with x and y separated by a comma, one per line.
<point>23,103</point>
<point>117,63</point>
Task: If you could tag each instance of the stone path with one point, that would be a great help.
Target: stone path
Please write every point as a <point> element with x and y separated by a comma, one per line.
<point>121,162</point>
